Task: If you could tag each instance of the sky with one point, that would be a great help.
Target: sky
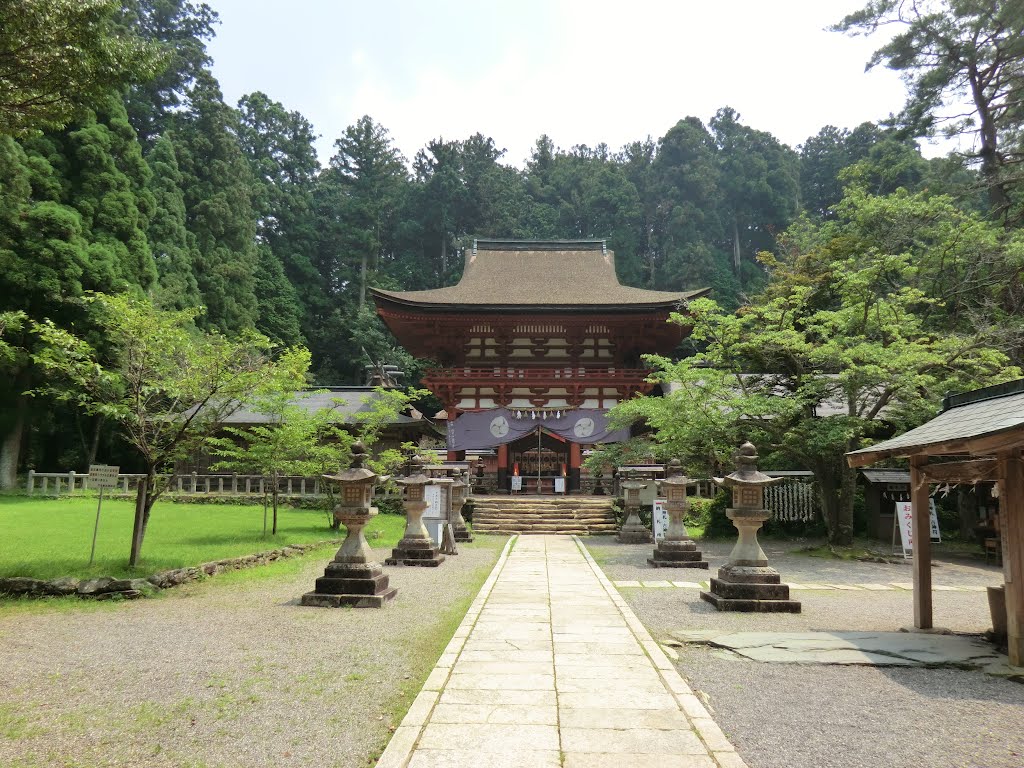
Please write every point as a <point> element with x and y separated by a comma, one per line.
<point>580,72</point>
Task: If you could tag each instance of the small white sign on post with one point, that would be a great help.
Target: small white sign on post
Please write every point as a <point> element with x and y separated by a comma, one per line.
<point>905,522</point>
<point>559,485</point>
<point>517,483</point>
<point>659,519</point>
<point>100,476</point>
<point>434,517</point>
<point>103,476</point>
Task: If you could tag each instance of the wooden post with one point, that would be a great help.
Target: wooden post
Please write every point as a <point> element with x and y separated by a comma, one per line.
<point>1011,525</point>
<point>31,483</point>
<point>922,544</point>
<point>71,483</point>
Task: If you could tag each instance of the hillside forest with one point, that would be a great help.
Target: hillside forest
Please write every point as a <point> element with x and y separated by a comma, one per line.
<point>128,173</point>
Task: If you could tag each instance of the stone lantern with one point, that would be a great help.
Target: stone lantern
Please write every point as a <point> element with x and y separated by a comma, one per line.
<point>459,490</point>
<point>416,546</point>
<point>677,549</point>
<point>479,488</point>
<point>633,531</point>
<point>352,578</point>
<point>746,582</point>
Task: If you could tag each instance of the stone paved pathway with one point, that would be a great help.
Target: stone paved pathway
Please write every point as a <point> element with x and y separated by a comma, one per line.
<point>550,668</point>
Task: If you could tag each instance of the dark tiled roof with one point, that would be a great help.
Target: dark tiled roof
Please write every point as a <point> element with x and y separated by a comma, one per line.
<point>507,274</point>
<point>972,419</point>
<point>346,401</point>
<point>876,476</point>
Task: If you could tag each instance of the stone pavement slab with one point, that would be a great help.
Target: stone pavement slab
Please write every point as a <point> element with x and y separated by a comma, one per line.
<point>551,669</point>
<point>883,649</point>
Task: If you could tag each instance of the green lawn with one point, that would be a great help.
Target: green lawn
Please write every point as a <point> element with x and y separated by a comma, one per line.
<point>51,537</point>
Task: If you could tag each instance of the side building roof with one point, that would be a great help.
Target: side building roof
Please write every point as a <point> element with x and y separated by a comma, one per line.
<point>347,402</point>
<point>551,274</point>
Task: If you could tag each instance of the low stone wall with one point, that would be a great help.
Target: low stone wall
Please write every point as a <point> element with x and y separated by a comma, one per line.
<point>109,588</point>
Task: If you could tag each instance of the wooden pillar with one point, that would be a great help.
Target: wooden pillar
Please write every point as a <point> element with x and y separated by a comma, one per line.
<point>922,544</point>
<point>456,455</point>
<point>575,461</point>
<point>1011,525</point>
<point>502,468</point>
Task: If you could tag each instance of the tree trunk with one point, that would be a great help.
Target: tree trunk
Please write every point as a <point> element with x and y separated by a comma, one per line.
<point>444,255</point>
<point>277,481</point>
<point>138,528</point>
<point>735,245</point>
<point>10,448</point>
<point>362,282</point>
<point>94,445</point>
<point>836,487</point>
<point>144,500</point>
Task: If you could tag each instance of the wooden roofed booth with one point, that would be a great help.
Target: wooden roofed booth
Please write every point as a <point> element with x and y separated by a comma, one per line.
<point>978,437</point>
<point>532,347</point>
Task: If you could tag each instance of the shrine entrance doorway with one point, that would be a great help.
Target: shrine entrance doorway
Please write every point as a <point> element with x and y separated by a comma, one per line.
<point>541,459</point>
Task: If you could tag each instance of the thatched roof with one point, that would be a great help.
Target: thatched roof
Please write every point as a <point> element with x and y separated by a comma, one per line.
<point>552,274</point>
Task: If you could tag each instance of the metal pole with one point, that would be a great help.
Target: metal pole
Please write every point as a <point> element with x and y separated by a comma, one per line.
<point>96,527</point>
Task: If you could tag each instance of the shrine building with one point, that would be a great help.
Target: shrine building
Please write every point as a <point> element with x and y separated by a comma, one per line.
<point>533,346</point>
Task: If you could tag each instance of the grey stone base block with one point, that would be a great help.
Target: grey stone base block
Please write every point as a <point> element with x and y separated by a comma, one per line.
<point>748,591</point>
<point>362,585</point>
<point>745,574</point>
<point>463,534</point>
<point>318,600</point>
<point>751,606</point>
<point>638,535</point>
<point>415,552</point>
<point>659,561</point>
<point>677,554</point>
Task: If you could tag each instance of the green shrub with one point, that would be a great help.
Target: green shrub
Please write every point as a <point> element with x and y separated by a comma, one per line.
<point>390,506</point>
<point>719,526</point>
<point>699,514</point>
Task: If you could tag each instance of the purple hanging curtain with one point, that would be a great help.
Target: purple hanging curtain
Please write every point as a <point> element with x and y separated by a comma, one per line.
<point>486,429</point>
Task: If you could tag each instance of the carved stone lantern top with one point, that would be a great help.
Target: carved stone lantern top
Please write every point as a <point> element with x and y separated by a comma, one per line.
<point>356,472</point>
<point>674,486</point>
<point>747,472</point>
<point>416,474</point>
<point>747,482</point>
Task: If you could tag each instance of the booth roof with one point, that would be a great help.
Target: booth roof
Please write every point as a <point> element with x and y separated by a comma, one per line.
<point>555,274</point>
<point>972,415</point>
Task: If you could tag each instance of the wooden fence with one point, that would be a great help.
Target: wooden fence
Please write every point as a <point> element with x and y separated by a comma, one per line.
<point>69,483</point>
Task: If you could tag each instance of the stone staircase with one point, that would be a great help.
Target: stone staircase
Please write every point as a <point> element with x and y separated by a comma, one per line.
<point>580,515</point>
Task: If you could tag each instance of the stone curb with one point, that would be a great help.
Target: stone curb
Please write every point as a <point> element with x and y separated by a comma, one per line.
<point>403,741</point>
<point>109,588</point>
<point>718,746</point>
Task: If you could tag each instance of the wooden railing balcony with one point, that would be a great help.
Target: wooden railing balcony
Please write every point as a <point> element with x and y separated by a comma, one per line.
<point>528,374</point>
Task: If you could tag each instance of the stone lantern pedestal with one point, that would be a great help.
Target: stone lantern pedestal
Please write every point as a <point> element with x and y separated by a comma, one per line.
<point>416,546</point>
<point>747,583</point>
<point>633,530</point>
<point>353,578</point>
<point>458,491</point>
<point>677,549</point>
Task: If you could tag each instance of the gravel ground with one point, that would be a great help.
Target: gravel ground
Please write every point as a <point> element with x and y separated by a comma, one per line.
<point>792,716</point>
<point>228,672</point>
